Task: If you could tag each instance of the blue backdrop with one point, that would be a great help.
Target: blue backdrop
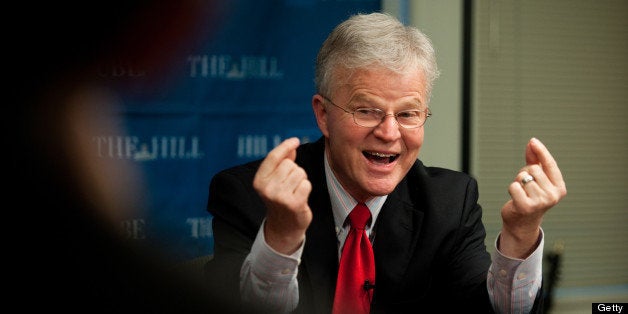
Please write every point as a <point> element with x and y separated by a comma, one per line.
<point>239,85</point>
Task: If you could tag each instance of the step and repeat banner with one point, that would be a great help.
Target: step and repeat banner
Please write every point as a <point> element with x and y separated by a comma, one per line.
<point>240,83</point>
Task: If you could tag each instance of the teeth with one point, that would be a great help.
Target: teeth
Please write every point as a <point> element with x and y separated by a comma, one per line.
<point>381,155</point>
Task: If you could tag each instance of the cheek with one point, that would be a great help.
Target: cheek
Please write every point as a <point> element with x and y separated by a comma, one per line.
<point>344,130</point>
<point>414,142</point>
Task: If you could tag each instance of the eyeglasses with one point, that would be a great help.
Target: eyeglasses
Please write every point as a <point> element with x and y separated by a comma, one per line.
<point>372,117</point>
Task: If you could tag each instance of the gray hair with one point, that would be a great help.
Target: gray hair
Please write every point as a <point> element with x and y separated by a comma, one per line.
<point>376,39</point>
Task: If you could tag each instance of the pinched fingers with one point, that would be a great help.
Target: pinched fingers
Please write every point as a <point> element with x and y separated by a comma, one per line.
<point>286,185</point>
<point>540,184</point>
<point>533,191</point>
<point>538,154</point>
<point>285,150</point>
<point>280,181</point>
<point>284,188</point>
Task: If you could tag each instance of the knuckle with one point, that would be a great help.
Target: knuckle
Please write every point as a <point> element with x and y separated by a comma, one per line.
<point>534,169</point>
<point>287,163</point>
<point>300,172</point>
<point>305,187</point>
<point>273,156</point>
<point>555,199</point>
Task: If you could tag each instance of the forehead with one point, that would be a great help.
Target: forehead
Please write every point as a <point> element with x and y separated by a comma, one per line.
<point>378,82</point>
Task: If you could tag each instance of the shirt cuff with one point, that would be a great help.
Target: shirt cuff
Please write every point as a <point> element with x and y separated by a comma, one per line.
<point>268,279</point>
<point>514,283</point>
<point>519,271</point>
<point>275,265</point>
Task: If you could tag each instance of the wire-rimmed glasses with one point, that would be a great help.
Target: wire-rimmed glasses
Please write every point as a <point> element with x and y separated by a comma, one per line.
<point>372,117</point>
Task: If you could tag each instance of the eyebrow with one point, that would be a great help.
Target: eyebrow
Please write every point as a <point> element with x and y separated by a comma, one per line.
<point>416,103</point>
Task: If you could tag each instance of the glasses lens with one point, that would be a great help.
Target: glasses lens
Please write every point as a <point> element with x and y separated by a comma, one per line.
<point>368,117</point>
<point>372,117</point>
<point>410,119</point>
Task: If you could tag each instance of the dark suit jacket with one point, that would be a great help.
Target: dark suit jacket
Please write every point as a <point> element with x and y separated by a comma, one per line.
<point>429,240</point>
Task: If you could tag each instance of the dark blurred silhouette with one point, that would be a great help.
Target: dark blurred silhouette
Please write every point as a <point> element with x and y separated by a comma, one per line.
<point>554,261</point>
<point>65,242</point>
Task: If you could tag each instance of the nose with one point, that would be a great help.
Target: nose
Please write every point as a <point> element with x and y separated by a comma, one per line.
<point>388,129</point>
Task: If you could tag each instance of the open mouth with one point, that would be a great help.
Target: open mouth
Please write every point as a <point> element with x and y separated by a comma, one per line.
<point>380,158</point>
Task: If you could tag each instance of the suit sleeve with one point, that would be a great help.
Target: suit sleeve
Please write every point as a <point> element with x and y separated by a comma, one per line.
<point>237,215</point>
<point>520,294</point>
<point>469,260</point>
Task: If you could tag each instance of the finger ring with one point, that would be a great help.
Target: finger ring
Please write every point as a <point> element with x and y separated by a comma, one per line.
<point>527,179</point>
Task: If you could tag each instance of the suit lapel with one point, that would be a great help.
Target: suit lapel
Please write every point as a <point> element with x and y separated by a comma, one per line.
<point>397,232</point>
<point>320,254</point>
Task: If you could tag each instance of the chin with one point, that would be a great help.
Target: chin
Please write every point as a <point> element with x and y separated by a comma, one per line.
<point>381,189</point>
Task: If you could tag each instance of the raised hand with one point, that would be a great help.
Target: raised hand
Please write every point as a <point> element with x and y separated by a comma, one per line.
<point>284,188</point>
<point>538,186</point>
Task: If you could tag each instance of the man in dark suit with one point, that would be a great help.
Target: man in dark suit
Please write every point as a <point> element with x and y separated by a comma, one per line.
<point>280,223</point>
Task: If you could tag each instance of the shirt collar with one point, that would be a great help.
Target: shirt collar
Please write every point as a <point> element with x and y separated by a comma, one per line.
<point>342,203</point>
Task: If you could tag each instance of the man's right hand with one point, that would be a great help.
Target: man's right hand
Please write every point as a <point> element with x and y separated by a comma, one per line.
<point>284,188</point>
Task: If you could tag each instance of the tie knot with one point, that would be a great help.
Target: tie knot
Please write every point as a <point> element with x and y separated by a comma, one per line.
<point>359,216</point>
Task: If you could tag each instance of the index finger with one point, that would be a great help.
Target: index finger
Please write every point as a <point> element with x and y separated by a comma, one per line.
<point>537,153</point>
<point>286,150</point>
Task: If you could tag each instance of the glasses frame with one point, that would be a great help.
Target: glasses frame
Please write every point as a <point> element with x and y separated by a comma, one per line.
<point>426,111</point>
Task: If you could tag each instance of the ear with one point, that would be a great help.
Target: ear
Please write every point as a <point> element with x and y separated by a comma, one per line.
<point>318,105</point>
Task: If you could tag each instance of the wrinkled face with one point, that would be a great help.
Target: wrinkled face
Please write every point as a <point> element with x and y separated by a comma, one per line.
<point>371,162</point>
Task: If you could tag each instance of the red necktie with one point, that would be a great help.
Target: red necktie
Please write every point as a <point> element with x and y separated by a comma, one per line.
<point>356,275</point>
